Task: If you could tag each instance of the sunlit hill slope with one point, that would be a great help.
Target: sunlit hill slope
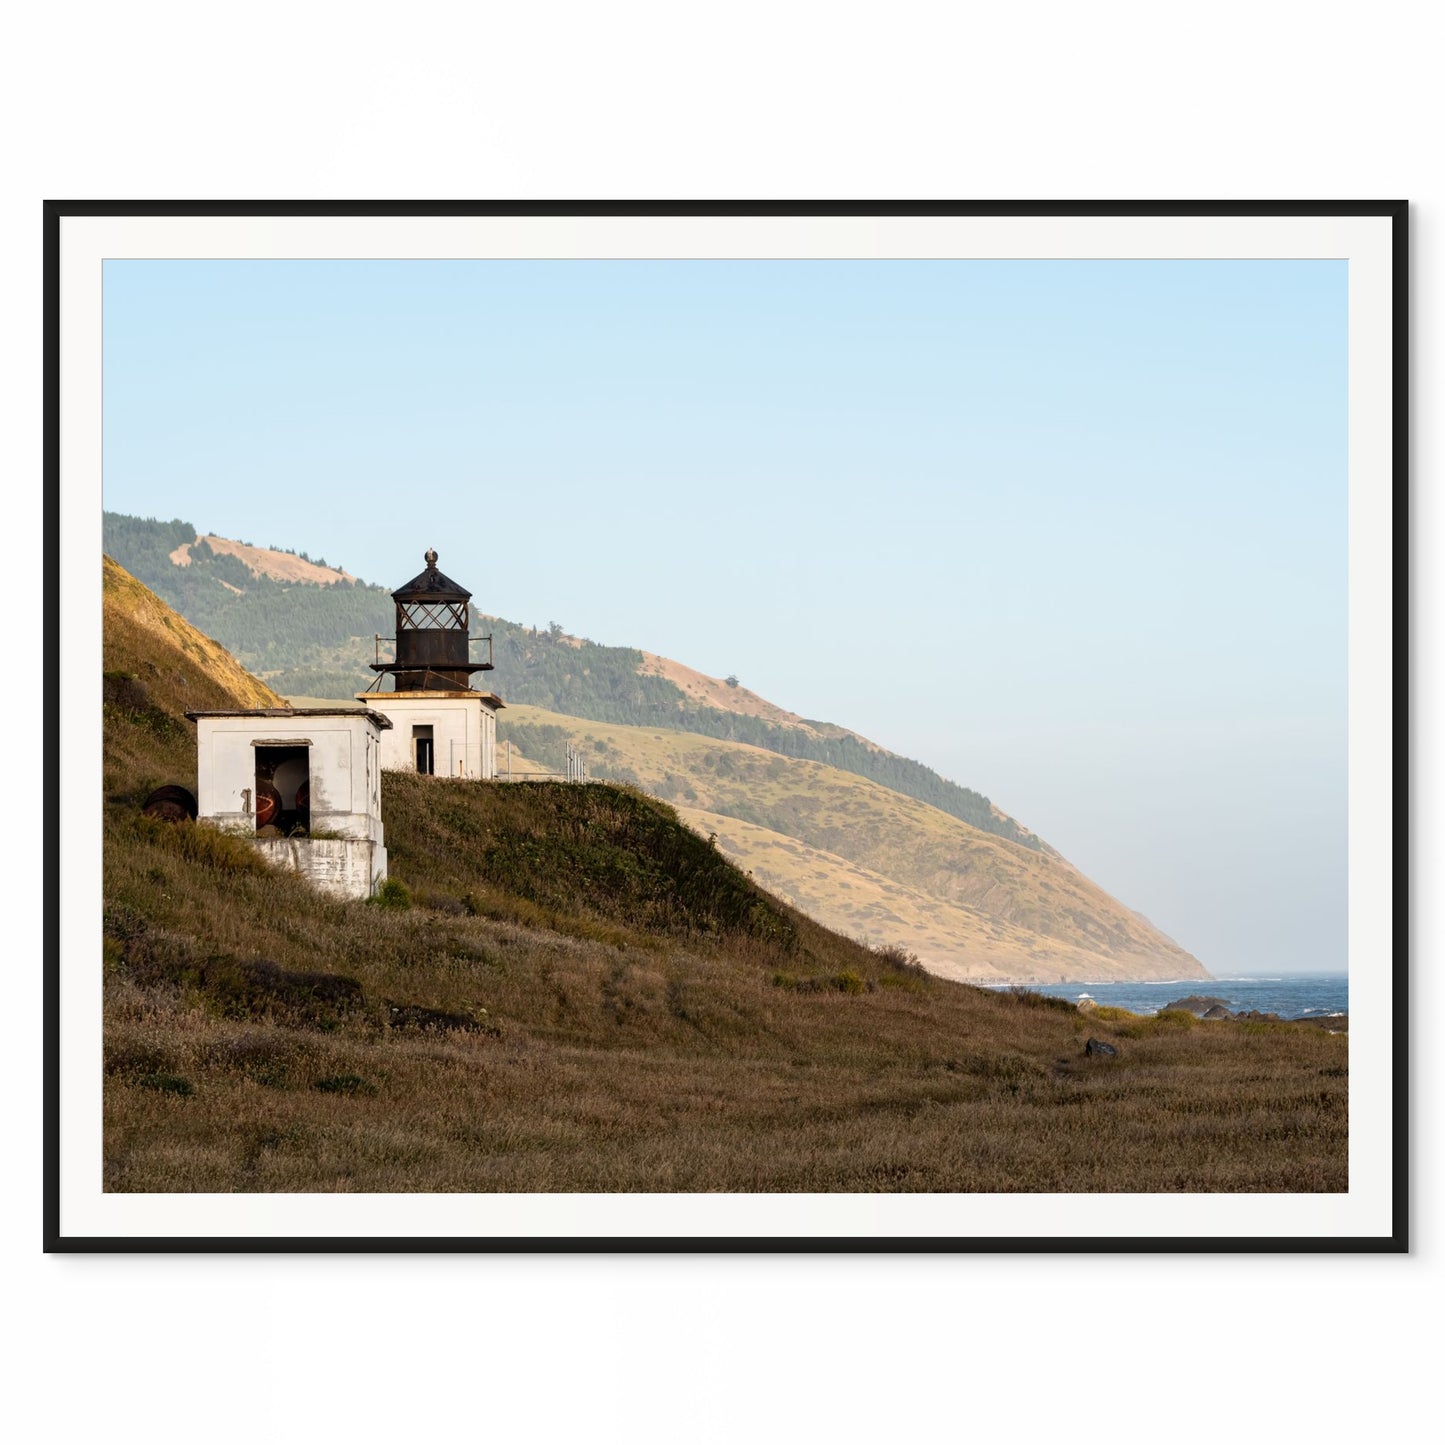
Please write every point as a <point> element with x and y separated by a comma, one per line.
<point>873,863</point>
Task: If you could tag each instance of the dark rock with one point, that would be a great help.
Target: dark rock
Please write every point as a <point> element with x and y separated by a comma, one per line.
<point>1217,1012</point>
<point>1197,1003</point>
<point>1099,1047</point>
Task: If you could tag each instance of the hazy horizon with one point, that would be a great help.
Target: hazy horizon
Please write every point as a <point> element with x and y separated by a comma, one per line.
<point>1071,533</point>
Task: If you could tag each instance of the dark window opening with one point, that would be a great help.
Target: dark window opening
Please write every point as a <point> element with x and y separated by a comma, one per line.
<point>283,790</point>
<point>425,758</point>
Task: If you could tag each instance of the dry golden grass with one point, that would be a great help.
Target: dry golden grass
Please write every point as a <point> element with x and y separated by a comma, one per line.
<point>252,1042</point>
<point>145,637</point>
<point>773,1091</point>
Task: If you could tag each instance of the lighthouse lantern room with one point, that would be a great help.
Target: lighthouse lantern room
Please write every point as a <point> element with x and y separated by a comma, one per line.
<point>440,723</point>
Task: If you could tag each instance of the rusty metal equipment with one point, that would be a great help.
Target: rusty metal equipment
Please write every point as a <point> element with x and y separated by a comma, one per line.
<point>268,803</point>
<point>171,804</point>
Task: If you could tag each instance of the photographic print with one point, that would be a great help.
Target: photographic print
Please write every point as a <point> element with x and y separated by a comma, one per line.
<point>836,727</point>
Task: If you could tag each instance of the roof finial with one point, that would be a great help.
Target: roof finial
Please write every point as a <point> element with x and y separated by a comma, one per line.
<point>431,556</point>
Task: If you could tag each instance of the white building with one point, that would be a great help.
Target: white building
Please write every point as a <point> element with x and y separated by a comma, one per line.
<point>453,735</point>
<point>305,783</point>
<point>440,723</point>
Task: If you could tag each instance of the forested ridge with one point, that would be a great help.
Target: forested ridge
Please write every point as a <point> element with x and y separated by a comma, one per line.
<point>314,640</point>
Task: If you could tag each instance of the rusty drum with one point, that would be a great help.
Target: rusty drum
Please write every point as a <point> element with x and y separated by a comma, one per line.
<point>172,804</point>
<point>268,804</point>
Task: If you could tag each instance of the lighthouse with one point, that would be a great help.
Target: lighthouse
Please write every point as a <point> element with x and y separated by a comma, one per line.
<point>440,723</point>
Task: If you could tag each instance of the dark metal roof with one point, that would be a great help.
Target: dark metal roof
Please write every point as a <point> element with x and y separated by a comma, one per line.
<point>380,719</point>
<point>431,586</point>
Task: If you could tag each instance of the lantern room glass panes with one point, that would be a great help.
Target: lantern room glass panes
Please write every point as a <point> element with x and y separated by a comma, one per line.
<point>431,616</point>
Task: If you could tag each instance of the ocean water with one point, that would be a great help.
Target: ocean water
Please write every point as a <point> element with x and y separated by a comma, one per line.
<point>1291,996</point>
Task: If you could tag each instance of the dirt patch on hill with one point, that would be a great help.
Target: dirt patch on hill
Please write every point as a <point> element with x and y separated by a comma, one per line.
<point>283,566</point>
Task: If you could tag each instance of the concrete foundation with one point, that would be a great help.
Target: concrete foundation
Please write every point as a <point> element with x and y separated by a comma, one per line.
<point>342,867</point>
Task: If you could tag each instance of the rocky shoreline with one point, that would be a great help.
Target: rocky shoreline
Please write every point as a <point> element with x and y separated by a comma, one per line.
<point>1202,1006</point>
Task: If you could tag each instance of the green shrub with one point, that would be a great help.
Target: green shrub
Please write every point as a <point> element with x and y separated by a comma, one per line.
<point>850,982</point>
<point>393,893</point>
<point>167,1084</point>
<point>1174,1018</point>
<point>1110,1014</point>
<point>903,981</point>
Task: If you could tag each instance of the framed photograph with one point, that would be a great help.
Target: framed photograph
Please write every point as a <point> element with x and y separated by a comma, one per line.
<point>724,726</point>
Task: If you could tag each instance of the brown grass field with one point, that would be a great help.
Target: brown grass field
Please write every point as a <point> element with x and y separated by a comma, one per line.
<point>567,989</point>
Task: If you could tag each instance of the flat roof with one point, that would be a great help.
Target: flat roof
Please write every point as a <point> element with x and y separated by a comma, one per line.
<point>380,719</point>
<point>380,698</point>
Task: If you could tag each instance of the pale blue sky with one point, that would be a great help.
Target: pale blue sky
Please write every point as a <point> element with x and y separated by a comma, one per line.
<point>1074,534</point>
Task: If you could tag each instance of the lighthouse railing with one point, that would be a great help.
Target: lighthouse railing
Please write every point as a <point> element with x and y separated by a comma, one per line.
<point>476,666</point>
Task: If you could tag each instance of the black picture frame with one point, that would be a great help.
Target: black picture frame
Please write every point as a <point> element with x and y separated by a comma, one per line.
<point>1394,212</point>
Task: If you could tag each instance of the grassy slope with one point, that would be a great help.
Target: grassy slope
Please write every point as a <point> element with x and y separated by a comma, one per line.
<point>952,942</point>
<point>968,903</point>
<point>588,996</point>
<point>157,667</point>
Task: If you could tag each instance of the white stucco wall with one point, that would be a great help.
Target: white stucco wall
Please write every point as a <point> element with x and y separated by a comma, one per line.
<point>464,731</point>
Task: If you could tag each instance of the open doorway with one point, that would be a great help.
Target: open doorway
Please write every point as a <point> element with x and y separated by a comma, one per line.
<point>283,790</point>
<point>424,747</point>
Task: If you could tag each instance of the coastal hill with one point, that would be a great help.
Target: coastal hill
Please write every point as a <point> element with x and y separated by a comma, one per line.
<point>872,862</point>
<point>875,845</point>
<point>564,988</point>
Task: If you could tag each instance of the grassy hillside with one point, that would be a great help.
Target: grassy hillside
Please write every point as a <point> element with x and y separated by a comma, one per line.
<point>567,989</point>
<point>952,942</point>
<point>309,629</point>
<point>158,667</point>
<point>983,907</point>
